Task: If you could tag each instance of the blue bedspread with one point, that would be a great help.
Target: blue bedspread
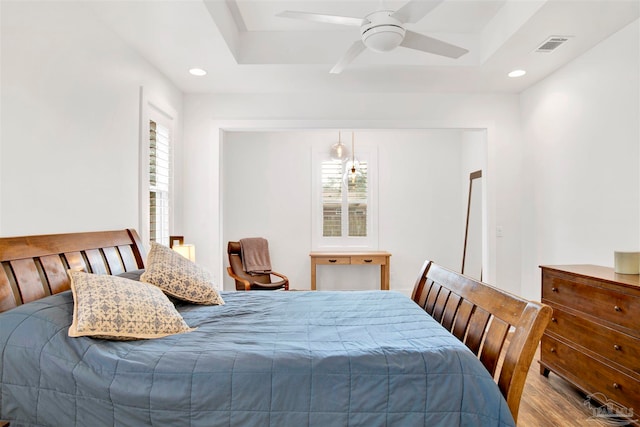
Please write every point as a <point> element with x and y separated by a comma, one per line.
<point>263,359</point>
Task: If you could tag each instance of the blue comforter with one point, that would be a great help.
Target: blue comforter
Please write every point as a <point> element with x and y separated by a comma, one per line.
<point>263,359</point>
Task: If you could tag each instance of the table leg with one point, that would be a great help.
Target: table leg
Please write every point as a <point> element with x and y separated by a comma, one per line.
<point>384,280</point>
<point>386,269</point>
<point>313,274</point>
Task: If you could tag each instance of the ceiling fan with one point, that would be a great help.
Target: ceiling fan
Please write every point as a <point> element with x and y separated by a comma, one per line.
<point>383,31</point>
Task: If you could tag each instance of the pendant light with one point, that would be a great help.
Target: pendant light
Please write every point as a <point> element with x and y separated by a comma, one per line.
<point>352,172</point>
<point>339,151</point>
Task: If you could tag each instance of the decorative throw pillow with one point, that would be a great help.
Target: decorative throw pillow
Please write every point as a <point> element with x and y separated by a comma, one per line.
<point>113,307</point>
<point>179,277</point>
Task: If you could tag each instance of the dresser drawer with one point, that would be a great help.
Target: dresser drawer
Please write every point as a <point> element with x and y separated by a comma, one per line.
<point>333,260</point>
<point>606,304</point>
<point>591,375</point>
<point>358,259</point>
<point>613,345</point>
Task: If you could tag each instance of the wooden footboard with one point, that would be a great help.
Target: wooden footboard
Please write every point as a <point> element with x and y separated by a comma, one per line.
<point>502,329</point>
<point>36,266</point>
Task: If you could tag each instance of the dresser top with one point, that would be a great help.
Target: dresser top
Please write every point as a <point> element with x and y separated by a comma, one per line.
<point>598,272</point>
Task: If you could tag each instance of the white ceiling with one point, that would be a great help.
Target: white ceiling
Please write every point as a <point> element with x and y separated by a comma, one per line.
<point>246,48</point>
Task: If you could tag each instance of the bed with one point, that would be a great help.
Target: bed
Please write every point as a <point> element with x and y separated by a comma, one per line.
<point>370,358</point>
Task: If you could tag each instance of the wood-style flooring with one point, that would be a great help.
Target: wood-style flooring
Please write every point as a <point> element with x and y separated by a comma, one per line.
<point>553,402</point>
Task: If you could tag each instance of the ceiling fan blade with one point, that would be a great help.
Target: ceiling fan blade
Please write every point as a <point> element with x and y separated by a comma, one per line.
<point>415,10</point>
<point>325,19</point>
<point>429,44</point>
<point>351,54</point>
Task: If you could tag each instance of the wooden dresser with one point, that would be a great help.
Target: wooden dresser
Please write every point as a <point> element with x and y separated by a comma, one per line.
<point>593,339</point>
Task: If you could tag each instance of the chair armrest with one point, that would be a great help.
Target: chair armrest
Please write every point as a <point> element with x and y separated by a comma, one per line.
<point>247,285</point>
<point>284,278</point>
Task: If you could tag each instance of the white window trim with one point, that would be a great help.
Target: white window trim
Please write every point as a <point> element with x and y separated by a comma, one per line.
<point>345,243</point>
<point>151,109</point>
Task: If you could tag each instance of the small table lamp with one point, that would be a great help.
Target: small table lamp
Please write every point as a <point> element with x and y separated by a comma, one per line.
<point>187,251</point>
<point>177,244</point>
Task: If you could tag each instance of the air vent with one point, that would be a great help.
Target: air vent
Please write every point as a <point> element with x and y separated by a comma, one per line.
<point>552,43</point>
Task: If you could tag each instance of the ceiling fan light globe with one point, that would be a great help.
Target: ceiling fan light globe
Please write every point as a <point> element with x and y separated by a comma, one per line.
<point>383,38</point>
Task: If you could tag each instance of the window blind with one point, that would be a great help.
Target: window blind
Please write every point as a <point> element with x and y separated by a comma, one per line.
<point>332,198</point>
<point>159,182</point>
<point>357,199</point>
<point>344,201</point>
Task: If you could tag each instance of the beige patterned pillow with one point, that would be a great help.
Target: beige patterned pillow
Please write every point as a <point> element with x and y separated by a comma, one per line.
<point>179,277</point>
<point>113,307</point>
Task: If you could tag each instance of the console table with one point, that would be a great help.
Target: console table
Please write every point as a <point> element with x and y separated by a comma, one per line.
<point>380,258</point>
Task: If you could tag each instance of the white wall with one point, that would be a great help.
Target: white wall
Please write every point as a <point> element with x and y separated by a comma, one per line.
<point>267,191</point>
<point>207,116</point>
<point>421,208</point>
<point>70,120</point>
<point>474,158</point>
<point>582,160</point>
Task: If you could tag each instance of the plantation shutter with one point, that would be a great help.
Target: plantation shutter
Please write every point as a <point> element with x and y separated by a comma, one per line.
<point>357,199</point>
<point>332,198</point>
<point>344,201</point>
<point>159,184</point>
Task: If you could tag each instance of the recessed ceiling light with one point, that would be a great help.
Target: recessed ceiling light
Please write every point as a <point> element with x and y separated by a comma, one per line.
<point>197,72</point>
<point>517,73</point>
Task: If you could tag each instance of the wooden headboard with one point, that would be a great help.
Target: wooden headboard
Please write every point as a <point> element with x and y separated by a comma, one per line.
<point>34,267</point>
<point>502,329</point>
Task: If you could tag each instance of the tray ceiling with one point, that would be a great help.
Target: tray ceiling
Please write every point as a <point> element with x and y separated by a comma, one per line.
<point>246,48</point>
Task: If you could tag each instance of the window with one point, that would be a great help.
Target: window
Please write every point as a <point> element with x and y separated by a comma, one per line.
<point>344,203</point>
<point>159,182</point>
<point>344,199</point>
<point>155,173</point>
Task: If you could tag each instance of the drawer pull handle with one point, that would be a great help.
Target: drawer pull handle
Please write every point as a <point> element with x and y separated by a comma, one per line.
<point>616,308</point>
<point>617,347</point>
<point>553,350</point>
<point>616,386</point>
<point>368,260</point>
<point>554,289</point>
<point>333,260</point>
<point>554,320</point>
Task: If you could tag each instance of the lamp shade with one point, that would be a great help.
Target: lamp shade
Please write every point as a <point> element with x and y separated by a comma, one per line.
<point>187,251</point>
<point>352,174</point>
<point>338,150</point>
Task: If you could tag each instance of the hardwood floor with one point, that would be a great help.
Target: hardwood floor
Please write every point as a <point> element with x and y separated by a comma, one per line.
<point>553,402</point>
